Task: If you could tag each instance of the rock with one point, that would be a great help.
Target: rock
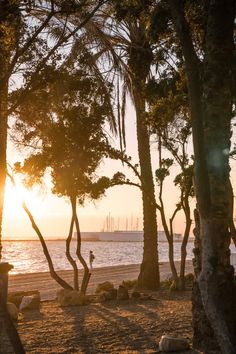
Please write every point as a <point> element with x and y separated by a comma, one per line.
<point>129,284</point>
<point>122,293</point>
<point>172,344</point>
<point>110,294</point>
<point>102,287</point>
<point>135,295</point>
<point>146,297</point>
<point>13,311</point>
<point>17,296</point>
<point>101,297</point>
<point>31,302</point>
<point>67,297</point>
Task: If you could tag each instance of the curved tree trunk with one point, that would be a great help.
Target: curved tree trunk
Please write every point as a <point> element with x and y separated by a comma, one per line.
<point>70,258</point>
<point>86,275</point>
<point>53,273</point>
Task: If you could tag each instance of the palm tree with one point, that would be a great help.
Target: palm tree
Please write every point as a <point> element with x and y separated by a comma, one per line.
<point>129,49</point>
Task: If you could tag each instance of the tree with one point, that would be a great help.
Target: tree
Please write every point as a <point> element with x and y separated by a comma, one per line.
<point>25,49</point>
<point>9,24</point>
<point>184,182</point>
<point>169,119</point>
<point>67,132</point>
<point>210,97</point>
<point>132,40</point>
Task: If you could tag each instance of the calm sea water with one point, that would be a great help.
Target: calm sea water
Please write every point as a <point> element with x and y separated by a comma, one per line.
<point>28,256</point>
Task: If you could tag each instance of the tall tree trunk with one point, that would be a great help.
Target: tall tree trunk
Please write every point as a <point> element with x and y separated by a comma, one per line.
<point>211,150</point>
<point>9,19</point>
<point>140,58</point>
<point>216,280</point>
<point>149,272</point>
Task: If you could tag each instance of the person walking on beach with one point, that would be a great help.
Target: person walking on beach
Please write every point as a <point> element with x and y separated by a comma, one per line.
<point>91,259</point>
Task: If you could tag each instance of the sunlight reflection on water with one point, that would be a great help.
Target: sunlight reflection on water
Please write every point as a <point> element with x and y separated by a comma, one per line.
<point>28,257</point>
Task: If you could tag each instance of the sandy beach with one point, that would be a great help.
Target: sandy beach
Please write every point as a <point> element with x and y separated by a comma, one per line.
<point>126,326</point>
<point>116,274</point>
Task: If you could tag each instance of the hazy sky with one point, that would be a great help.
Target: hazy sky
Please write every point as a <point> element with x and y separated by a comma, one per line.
<point>53,214</point>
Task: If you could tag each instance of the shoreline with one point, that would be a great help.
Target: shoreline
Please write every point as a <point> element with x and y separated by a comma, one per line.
<point>47,287</point>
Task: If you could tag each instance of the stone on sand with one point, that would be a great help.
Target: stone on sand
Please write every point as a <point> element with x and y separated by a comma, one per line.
<point>31,302</point>
<point>13,311</point>
<point>122,293</point>
<point>67,297</point>
<point>105,286</point>
<point>173,344</point>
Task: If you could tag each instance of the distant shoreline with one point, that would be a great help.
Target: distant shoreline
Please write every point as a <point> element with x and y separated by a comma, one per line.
<point>61,239</point>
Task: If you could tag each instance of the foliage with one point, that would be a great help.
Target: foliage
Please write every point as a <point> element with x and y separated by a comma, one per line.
<point>67,129</point>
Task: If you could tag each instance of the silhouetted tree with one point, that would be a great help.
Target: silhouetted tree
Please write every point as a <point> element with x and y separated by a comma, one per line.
<point>67,131</point>
<point>210,94</point>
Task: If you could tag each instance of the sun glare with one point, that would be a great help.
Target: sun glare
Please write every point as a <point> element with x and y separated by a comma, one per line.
<point>15,196</point>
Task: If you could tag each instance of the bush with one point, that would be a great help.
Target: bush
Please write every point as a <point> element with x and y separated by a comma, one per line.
<point>106,286</point>
<point>129,284</point>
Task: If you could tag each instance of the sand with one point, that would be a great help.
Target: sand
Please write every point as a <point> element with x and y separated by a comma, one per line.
<point>47,287</point>
<point>128,326</point>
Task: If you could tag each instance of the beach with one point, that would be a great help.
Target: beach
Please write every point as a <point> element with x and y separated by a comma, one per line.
<point>129,326</point>
<point>47,287</point>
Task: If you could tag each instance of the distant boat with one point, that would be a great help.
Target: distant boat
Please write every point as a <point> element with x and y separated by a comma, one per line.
<point>122,236</point>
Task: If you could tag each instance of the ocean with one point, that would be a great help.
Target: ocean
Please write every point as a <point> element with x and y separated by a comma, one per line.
<point>28,256</point>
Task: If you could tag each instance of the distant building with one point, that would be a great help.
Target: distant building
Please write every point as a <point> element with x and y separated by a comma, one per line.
<point>128,236</point>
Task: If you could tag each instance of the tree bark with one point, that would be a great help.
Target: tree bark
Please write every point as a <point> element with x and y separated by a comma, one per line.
<point>149,272</point>
<point>9,19</point>
<point>86,275</point>
<point>231,217</point>
<point>140,57</point>
<point>53,273</point>
<point>188,221</point>
<point>211,114</point>
<point>70,258</point>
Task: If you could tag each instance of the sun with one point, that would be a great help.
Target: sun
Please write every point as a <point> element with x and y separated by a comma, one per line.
<point>14,196</point>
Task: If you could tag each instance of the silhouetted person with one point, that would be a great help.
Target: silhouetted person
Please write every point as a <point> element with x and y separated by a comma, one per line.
<point>91,259</point>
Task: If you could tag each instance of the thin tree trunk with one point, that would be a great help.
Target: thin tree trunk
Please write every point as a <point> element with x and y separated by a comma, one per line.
<point>170,240</point>
<point>184,245</point>
<point>86,275</point>
<point>168,232</point>
<point>53,273</point>
<point>70,258</point>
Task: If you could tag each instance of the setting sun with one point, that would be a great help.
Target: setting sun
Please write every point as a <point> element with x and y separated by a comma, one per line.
<point>14,196</point>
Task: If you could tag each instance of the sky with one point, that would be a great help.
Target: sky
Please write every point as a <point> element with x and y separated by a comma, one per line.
<point>52,214</point>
